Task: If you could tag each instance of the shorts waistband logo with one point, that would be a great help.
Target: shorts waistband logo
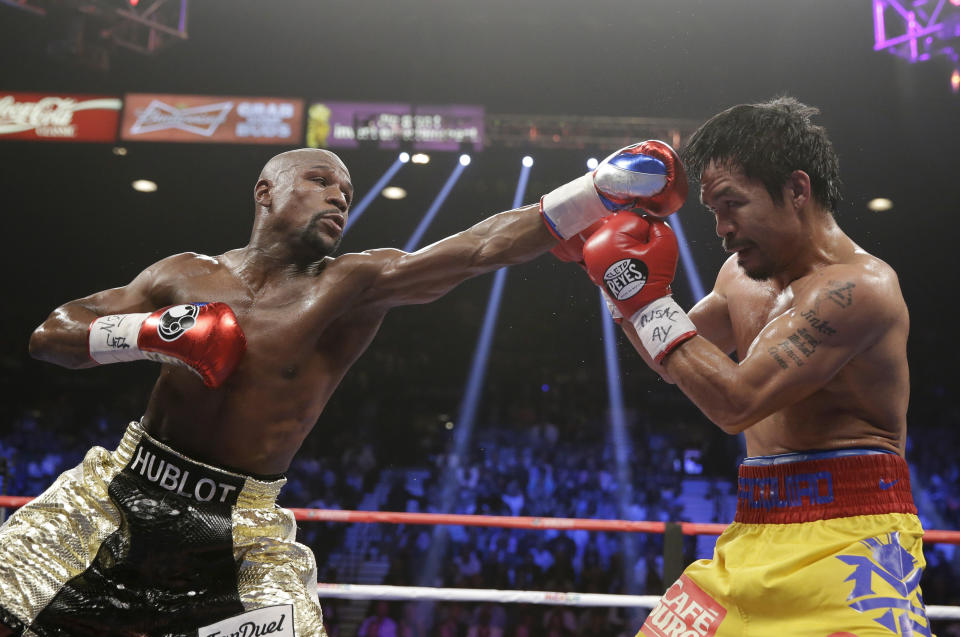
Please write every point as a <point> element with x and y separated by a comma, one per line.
<point>782,492</point>
<point>886,484</point>
<point>182,477</point>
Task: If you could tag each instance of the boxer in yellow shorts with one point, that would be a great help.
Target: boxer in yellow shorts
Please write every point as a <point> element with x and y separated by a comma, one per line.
<point>820,541</point>
<point>800,345</point>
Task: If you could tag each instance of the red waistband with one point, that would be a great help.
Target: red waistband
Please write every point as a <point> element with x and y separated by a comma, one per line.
<point>822,489</point>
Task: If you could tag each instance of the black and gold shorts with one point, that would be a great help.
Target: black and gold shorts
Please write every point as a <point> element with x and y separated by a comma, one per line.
<point>143,541</point>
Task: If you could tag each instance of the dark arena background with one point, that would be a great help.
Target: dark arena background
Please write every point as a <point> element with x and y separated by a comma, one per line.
<point>498,399</point>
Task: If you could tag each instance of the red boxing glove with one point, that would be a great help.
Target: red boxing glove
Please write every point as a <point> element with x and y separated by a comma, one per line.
<point>204,337</point>
<point>633,260</point>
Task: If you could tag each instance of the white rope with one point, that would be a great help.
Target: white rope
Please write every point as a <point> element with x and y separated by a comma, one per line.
<point>370,591</point>
<point>378,591</point>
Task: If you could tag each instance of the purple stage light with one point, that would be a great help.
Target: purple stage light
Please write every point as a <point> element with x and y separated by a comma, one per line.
<point>918,31</point>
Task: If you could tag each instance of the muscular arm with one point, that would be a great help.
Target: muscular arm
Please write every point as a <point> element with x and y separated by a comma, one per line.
<point>510,237</point>
<point>62,338</point>
<point>840,313</point>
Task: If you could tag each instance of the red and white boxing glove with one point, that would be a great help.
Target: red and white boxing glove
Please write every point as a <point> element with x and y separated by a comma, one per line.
<point>648,175</point>
<point>204,337</point>
<point>633,260</point>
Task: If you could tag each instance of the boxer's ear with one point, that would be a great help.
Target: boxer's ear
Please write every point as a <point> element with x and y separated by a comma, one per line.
<point>263,193</point>
<point>797,189</point>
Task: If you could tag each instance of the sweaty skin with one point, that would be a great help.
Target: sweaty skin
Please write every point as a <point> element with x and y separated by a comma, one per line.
<point>818,325</point>
<point>307,317</point>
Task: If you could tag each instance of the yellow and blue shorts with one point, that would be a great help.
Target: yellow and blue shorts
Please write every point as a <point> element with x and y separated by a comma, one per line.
<point>146,542</point>
<point>824,544</point>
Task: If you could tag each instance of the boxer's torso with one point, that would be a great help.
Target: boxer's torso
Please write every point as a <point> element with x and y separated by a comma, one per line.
<point>303,330</point>
<point>862,405</point>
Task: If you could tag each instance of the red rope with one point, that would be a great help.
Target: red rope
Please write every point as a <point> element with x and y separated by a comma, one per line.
<point>390,517</point>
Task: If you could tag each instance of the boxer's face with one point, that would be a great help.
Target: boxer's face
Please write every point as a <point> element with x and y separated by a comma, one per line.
<point>762,233</point>
<point>311,199</point>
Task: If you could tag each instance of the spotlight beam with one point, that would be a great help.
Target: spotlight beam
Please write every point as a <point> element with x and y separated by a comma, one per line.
<point>686,257</point>
<point>463,426</point>
<point>368,198</point>
<point>621,442</point>
<point>427,219</point>
<point>478,368</point>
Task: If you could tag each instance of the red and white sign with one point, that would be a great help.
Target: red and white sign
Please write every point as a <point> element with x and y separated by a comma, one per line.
<point>59,117</point>
<point>195,118</point>
<point>685,610</point>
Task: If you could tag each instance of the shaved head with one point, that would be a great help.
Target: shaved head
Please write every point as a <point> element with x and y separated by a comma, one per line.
<point>302,200</point>
<point>283,162</point>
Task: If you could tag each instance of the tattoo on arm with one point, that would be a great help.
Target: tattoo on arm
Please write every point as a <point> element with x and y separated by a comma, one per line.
<point>798,346</point>
<point>803,343</point>
<point>822,326</point>
<point>786,350</point>
<point>838,293</point>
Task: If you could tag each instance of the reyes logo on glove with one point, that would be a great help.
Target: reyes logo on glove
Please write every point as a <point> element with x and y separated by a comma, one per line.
<point>177,320</point>
<point>625,278</point>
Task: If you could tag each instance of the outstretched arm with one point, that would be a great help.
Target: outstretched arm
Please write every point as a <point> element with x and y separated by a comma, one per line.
<point>504,239</point>
<point>842,312</point>
<point>647,175</point>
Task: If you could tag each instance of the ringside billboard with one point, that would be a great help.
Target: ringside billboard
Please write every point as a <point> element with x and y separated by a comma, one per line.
<point>388,125</point>
<point>59,117</point>
<point>211,119</point>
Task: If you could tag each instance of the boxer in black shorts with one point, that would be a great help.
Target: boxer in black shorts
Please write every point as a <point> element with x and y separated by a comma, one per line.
<point>176,531</point>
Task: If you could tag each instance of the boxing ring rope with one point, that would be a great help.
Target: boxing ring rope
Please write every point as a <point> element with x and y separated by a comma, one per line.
<point>550,598</point>
<point>368,591</point>
<point>521,522</point>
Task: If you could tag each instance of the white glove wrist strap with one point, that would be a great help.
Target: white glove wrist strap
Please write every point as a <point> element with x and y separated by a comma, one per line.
<point>661,326</point>
<point>113,338</point>
<point>573,206</point>
<point>615,313</point>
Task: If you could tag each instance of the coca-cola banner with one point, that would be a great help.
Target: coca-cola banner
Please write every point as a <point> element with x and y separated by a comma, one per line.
<point>386,125</point>
<point>59,117</point>
<point>195,118</point>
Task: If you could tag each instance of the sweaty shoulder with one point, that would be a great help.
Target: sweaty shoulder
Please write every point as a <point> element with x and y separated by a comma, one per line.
<point>870,278</point>
<point>863,293</point>
<point>728,275</point>
<point>186,264</point>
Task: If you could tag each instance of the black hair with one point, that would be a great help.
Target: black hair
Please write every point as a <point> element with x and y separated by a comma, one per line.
<point>768,141</point>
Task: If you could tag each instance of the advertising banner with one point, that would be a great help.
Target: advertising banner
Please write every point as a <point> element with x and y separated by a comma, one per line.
<point>386,125</point>
<point>59,117</point>
<point>196,118</point>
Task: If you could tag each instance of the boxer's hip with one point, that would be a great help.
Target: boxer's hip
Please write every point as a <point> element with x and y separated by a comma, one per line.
<point>146,539</point>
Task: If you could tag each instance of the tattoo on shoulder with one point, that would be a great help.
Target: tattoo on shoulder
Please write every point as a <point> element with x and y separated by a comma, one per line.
<point>837,292</point>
